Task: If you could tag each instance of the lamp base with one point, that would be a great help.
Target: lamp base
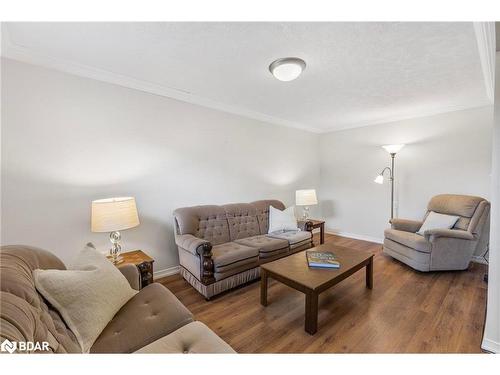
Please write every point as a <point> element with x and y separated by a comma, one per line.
<point>305,213</point>
<point>116,248</point>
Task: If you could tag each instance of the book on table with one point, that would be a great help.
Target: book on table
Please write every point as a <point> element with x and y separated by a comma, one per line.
<point>321,259</point>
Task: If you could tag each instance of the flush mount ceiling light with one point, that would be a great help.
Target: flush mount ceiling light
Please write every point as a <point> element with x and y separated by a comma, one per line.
<point>287,69</point>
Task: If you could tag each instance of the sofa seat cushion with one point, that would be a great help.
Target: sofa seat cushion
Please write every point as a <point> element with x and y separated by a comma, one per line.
<point>231,255</point>
<point>294,238</point>
<point>194,338</point>
<point>152,313</point>
<point>408,239</point>
<point>267,246</point>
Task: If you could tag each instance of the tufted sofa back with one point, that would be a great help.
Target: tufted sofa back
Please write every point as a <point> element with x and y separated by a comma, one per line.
<point>206,222</point>
<point>220,224</point>
<point>24,314</point>
<point>262,208</point>
<point>242,220</point>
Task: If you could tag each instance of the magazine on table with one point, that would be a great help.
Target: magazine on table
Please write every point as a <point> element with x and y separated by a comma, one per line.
<point>322,259</point>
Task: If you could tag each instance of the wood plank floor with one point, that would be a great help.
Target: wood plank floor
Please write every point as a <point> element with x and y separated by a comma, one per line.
<point>407,311</point>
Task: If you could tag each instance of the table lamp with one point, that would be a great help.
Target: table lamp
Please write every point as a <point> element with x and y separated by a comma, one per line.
<point>306,198</point>
<point>112,215</point>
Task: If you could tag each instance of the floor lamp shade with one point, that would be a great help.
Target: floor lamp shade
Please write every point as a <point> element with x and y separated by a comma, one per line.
<point>114,214</point>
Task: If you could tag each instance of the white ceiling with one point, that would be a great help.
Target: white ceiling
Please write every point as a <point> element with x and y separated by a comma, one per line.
<point>357,74</point>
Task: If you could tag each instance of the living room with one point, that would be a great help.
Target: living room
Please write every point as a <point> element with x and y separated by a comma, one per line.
<point>223,160</point>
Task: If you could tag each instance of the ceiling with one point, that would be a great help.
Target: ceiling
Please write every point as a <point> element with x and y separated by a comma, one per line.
<point>357,74</point>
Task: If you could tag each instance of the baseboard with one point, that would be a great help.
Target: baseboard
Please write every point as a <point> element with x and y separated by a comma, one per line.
<point>355,236</point>
<point>490,346</point>
<point>166,272</point>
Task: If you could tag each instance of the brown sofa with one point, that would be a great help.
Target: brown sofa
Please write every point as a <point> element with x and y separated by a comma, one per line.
<point>221,247</point>
<point>153,321</point>
<point>442,249</point>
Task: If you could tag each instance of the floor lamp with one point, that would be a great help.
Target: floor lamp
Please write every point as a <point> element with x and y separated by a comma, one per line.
<point>392,150</point>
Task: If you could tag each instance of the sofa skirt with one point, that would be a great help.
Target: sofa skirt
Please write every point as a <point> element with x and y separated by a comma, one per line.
<point>220,286</point>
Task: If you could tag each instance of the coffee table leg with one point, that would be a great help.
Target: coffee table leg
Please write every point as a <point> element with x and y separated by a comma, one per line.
<point>311,319</point>
<point>263,287</point>
<point>369,274</point>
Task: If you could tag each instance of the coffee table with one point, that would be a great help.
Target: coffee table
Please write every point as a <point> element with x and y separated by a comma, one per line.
<point>294,272</point>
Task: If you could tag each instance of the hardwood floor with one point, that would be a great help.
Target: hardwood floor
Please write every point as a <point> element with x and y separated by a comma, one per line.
<point>407,311</point>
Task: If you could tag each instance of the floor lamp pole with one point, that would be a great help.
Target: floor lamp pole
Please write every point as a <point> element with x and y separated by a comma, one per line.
<point>392,184</point>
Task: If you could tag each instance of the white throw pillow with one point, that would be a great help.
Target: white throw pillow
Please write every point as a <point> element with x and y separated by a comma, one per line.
<point>87,295</point>
<point>438,221</point>
<point>280,221</point>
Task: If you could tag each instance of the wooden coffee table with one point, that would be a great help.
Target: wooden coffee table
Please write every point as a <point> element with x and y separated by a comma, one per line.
<point>294,272</point>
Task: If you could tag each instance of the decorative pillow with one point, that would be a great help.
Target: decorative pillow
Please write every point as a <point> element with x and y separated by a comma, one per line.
<point>438,221</point>
<point>87,295</point>
<point>280,221</point>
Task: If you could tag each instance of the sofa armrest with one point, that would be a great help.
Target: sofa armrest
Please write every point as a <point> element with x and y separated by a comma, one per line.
<point>451,233</point>
<point>200,248</point>
<point>190,243</point>
<point>132,275</point>
<point>406,225</point>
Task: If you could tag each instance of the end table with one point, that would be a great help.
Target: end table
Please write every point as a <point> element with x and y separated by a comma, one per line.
<point>143,262</point>
<point>318,224</point>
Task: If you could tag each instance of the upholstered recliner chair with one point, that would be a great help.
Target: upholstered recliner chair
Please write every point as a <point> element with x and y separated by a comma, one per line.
<point>442,249</point>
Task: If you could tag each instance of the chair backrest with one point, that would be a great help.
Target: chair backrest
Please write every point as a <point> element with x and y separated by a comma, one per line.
<point>473,211</point>
<point>24,314</point>
<point>220,224</point>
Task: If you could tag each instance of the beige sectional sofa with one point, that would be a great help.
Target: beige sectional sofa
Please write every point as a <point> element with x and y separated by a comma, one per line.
<point>153,321</point>
<point>221,247</point>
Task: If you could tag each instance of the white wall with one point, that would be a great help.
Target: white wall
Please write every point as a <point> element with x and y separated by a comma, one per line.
<point>491,340</point>
<point>448,153</point>
<point>69,140</point>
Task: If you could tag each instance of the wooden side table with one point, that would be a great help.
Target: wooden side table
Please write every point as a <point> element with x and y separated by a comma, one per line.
<point>321,225</point>
<point>143,262</point>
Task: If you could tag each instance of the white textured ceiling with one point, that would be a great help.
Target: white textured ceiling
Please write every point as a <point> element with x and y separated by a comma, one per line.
<point>357,73</point>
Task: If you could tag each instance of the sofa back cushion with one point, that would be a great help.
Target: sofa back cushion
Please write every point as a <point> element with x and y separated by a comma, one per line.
<point>25,316</point>
<point>242,220</point>
<point>207,222</point>
<point>262,210</point>
<point>464,206</point>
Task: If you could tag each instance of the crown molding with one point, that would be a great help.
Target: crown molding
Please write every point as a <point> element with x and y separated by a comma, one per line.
<point>485,36</point>
<point>411,116</point>
<point>20,53</point>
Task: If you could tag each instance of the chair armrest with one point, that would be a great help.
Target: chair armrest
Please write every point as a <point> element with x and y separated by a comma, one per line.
<point>406,225</point>
<point>200,248</point>
<point>190,243</point>
<point>132,275</point>
<point>451,233</point>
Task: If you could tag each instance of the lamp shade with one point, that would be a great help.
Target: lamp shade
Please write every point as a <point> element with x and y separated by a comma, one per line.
<point>393,149</point>
<point>114,214</point>
<point>379,179</point>
<point>306,197</point>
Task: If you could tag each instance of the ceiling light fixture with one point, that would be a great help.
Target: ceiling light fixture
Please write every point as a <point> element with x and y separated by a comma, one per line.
<point>287,69</point>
